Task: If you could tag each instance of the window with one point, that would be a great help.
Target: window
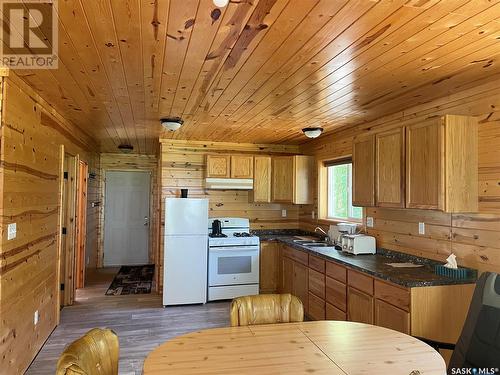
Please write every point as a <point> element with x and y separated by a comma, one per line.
<point>339,199</point>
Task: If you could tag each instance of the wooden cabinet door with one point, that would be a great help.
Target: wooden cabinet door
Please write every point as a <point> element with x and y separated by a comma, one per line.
<point>300,283</point>
<point>389,169</point>
<point>303,179</point>
<point>317,283</point>
<point>269,262</point>
<point>262,179</point>
<point>333,313</point>
<point>391,317</point>
<point>336,293</point>
<point>218,166</point>
<point>282,182</point>
<point>424,165</point>
<point>241,166</point>
<point>363,173</point>
<point>359,306</point>
<point>286,275</point>
<point>316,308</point>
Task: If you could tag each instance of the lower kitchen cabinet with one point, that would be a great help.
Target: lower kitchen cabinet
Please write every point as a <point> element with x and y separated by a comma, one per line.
<point>389,316</point>
<point>333,313</point>
<point>286,275</point>
<point>336,293</point>
<point>359,306</point>
<point>300,283</point>
<point>316,309</point>
<point>269,266</point>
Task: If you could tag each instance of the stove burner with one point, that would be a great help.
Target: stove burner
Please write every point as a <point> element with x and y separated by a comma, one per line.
<point>220,235</point>
<point>242,234</point>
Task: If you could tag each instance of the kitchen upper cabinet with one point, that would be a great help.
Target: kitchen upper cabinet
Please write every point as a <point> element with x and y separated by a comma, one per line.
<point>390,168</point>
<point>218,166</point>
<point>292,178</point>
<point>269,266</point>
<point>360,306</point>
<point>241,166</point>
<point>262,179</point>
<point>363,174</point>
<point>442,164</point>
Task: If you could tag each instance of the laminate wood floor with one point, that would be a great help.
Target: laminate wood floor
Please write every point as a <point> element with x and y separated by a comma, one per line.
<point>139,320</point>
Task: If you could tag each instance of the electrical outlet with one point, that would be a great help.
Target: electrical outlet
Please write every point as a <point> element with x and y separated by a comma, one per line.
<point>313,215</point>
<point>88,261</point>
<point>369,222</point>
<point>283,213</point>
<point>36,317</point>
<point>11,231</point>
<point>421,228</point>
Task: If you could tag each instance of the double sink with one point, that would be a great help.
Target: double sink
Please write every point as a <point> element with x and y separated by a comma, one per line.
<point>315,243</point>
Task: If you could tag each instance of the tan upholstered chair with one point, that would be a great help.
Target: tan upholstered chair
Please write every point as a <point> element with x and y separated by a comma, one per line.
<point>266,309</point>
<point>96,353</point>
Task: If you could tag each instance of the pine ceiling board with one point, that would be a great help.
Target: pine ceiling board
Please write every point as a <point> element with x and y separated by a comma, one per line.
<point>98,15</point>
<point>264,15</point>
<point>346,16</point>
<point>181,20</point>
<point>345,92</point>
<point>154,18</point>
<point>366,28</point>
<point>235,18</point>
<point>126,18</point>
<point>70,13</point>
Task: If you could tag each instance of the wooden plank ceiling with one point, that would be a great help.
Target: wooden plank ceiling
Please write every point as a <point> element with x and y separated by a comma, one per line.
<point>259,70</point>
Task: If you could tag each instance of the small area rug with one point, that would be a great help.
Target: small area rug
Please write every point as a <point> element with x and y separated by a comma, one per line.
<point>132,280</point>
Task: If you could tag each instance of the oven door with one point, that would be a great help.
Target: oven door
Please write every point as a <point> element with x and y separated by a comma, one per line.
<point>233,265</point>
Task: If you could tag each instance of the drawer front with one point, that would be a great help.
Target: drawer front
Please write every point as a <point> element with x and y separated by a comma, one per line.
<point>336,293</point>
<point>360,281</point>
<point>332,313</point>
<point>297,255</point>
<point>317,283</point>
<point>316,309</point>
<point>393,294</point>
<point>336,271</point>
<point>316,263</point>
<point>391,317</point>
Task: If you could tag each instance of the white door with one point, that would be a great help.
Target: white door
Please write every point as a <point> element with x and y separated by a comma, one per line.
<point>126,218</point>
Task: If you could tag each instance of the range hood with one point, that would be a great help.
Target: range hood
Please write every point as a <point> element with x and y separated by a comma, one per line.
<point>229,183</point>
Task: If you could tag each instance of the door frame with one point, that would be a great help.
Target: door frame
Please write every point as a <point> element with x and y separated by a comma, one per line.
<point>150,210</point>
<point>81,224</point>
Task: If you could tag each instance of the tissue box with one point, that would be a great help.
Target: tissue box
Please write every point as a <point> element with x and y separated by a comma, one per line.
<point>459,273</point>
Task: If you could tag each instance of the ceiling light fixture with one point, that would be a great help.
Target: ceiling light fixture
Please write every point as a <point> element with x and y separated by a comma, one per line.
<point>312,132</point>
<point>171,123</point>
<point>221,3</point>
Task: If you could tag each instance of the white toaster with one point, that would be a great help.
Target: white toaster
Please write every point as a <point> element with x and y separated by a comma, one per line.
<point>359,244</point>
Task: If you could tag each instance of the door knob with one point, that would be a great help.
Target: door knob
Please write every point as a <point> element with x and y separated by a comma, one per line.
<point>146,221</point>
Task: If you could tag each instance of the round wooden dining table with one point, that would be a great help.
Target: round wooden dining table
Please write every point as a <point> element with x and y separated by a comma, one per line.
<point>322,347</point>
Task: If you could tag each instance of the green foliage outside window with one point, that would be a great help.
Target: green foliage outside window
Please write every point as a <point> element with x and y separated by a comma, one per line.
<point>340,193</point>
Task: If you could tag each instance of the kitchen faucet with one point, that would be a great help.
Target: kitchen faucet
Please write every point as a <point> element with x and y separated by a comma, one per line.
<point>327,237</point>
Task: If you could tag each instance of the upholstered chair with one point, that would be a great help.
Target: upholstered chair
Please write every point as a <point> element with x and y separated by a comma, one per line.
<point>96,353</point>
<point>266,309</point>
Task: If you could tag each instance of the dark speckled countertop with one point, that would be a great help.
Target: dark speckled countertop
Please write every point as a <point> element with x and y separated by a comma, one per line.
<point>375,265</point>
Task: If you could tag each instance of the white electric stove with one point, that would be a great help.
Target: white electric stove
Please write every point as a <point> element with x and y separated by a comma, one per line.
<point>233,260</point>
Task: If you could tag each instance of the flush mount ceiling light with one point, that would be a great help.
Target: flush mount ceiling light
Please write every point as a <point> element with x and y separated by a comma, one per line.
<point>171,123</point>
<point>221,3</point>
<point>312,132</point>
<point>126,148</point>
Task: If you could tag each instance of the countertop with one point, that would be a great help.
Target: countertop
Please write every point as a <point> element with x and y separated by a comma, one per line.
<point>376,265</point>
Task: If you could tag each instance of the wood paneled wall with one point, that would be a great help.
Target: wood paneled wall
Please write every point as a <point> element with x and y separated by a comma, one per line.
<point>474,238</point>
<point>183,166</point>
<point>130,162</point>
<point>31,135</point>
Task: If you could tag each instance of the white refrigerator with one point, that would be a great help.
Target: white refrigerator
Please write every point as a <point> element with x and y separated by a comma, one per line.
<point>185,251</point>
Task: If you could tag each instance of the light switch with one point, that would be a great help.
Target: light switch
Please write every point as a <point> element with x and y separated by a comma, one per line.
<point>36,317</point>
<point>283,213</point>
<point>11,231</point>
<point>313,215</point>
<point>421,228</point>
<point>369,222</point>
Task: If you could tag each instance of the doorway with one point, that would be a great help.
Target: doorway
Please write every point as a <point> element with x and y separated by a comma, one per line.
<point>126,218</point>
